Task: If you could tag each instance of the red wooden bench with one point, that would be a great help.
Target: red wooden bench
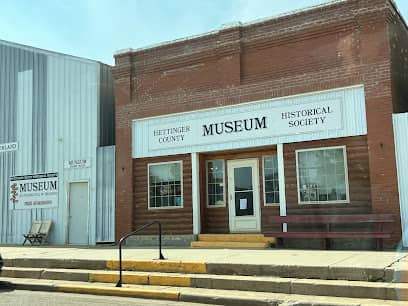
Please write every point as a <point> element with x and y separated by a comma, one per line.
<point>377,232</point>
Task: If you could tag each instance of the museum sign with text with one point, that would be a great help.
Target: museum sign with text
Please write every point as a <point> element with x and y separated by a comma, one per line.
<point>295,119</point>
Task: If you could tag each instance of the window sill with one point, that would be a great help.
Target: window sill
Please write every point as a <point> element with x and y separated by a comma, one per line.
<point>325,203</point>
<point>165,208</point>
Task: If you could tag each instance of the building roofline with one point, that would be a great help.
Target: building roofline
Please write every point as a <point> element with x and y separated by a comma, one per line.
<point>395,7</point>
<point>48,52</point>
<point>230,26</point>
<point>250,23</point>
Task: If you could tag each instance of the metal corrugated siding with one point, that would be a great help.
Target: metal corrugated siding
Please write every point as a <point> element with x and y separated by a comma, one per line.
<point>7,131</point>
<point>107,107</point>
<point>72,118</point>
<point>24,122</point>
<point>401,147</point>
<point>354,123</point>
<point>22,106</point>
<point>105,196</point>
<point>49,104</point>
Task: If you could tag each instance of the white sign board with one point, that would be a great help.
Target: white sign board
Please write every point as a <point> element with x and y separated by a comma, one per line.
<point>262,123</point>
<point>312,116</point>
<point>34,191</point>
<point>8,147</point>
<point>77,163</point>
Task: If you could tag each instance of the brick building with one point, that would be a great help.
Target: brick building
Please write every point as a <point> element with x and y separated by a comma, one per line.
<point>289,115</point>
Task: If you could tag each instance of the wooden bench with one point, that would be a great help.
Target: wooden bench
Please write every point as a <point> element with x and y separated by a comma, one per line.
<point>377,232</point>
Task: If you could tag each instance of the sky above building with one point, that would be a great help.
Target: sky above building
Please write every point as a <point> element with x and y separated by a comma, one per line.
<point>96,29</point>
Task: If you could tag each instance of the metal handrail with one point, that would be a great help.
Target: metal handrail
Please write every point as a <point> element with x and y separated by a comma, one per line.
<point>161,257</point>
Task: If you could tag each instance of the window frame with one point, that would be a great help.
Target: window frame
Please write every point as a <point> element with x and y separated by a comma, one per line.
<point>347,200</point>
<point>264,182</point>
<point>181,184</point>
<point>224,182</point>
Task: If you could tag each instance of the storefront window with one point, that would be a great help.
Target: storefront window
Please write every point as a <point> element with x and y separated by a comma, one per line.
<point>271,180</point>
<point>215,183</point>
<point>322,175</point>
<point>165,185</point>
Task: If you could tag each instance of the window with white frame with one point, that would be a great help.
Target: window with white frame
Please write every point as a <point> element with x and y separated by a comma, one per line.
<point>165,185</point>
<point>215,183</point>
<point>271,180</point>
<point>322,175</point>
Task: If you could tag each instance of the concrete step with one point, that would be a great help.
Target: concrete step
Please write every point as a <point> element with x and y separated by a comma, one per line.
<point>230,244</point>
<point>132,265</point>
<point>272,269</point>
<point>241,241</point>
<point>198,295</point>
<point>339,288</point>
<point>236,237</point>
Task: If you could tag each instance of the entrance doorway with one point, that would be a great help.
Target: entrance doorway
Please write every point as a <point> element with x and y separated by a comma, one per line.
<point>243,194</point>
<point>78,213</point>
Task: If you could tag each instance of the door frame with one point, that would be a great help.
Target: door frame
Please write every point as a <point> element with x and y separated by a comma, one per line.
<point>69,207</point>
<point>254,163</point>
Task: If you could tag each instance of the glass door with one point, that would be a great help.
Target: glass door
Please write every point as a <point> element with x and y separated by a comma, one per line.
<point>243,191</point>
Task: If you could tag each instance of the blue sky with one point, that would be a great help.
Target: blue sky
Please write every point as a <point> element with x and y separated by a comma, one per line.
<point>96,29</point>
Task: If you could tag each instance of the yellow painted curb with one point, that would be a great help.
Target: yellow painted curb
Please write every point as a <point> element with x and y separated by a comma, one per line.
<point>162,280</point>
<point>159,266</point>
<point>168,295</point>
<point>113,278</point>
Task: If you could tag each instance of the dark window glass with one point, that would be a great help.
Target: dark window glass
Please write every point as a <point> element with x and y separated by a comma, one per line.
<point>165,185</point>
<point>322,175</point>
<point>215,183</point>
<point>243,178</point>
<point>271,179</point>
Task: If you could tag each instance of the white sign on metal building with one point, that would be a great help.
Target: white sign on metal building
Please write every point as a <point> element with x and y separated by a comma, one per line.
<point>77,163</point>
<point>34,191</point>
<point>8,147</point>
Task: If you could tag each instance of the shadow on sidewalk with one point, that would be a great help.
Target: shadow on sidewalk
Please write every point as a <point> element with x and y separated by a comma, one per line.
<point>6,286</point>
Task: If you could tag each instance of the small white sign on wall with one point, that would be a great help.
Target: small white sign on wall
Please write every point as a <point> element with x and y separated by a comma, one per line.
<point>8,147</point>
<point>243,204</point>
<point>77,163</point>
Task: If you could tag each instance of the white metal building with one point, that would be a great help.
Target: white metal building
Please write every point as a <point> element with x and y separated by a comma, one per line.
<point>401,147</point>
<point>56,146</point>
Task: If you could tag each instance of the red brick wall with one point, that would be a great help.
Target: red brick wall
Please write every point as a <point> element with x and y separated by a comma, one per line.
<point>123,179</point>
<point>342,44</point>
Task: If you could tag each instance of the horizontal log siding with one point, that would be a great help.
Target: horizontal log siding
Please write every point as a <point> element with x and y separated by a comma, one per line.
<point>174,220</point>
<point>216,219</point>
<point>358,175</point>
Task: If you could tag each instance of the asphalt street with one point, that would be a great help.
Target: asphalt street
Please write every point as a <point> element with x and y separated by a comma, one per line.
<point>37,298</point>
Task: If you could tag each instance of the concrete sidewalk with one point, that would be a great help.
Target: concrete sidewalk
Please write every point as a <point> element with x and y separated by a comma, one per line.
<point>274,257</point>
<point>217,276</point>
